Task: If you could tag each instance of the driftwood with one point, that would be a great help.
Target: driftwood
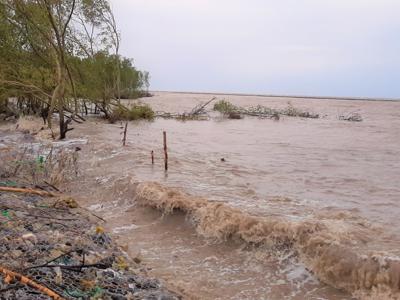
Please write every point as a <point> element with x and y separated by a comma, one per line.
<point>27,191</point>
<point>10,276</point>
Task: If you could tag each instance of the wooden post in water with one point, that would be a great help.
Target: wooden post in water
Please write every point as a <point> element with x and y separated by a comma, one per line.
<point>152,157</point>
<point>165,151</point>
<point>124,139</point>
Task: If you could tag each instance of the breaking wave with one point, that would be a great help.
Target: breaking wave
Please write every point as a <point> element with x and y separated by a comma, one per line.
<point>333,248</point>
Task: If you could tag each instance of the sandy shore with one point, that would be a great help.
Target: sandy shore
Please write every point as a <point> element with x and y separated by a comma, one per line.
<point>61,248</point>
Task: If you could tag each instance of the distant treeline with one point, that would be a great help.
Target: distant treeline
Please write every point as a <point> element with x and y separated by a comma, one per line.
<point>62,56</point>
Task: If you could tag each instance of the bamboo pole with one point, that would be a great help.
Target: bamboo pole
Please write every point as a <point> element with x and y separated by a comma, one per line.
<point>26,191</point>
<point>152,157</point>
<point>165,151</point>
<point>10,276</point>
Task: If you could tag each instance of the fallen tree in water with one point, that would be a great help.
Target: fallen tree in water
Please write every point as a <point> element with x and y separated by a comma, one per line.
<point>231,111</point>
<point>182,116</point>
<point>197,113</point>
<point>351,117</point>
<point>228,109</point>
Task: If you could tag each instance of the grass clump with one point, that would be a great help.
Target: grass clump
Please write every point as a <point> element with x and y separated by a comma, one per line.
<point>54,165</point>
<point>137,111</point>
<point>225,107</point>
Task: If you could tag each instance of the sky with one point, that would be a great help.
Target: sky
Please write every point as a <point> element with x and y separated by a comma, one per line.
<point>285,47</point>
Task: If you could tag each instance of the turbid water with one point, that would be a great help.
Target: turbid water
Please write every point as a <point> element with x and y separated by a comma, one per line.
<point>299,209</point>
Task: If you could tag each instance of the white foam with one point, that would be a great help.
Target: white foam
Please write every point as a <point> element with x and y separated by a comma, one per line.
<point>125,228</point>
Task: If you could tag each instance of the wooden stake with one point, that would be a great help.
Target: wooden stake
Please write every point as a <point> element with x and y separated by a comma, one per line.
<point>152,157</point>
<point>124,139</point>
<point>165,151</point>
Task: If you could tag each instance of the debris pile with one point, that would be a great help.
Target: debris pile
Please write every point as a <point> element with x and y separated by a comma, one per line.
<point>228,109</point>
<point>50,247</point>
<point>53,249</point>
<point>351,117</point>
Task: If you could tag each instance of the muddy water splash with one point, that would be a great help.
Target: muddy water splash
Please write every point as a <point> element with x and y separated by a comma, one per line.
<point>329,253</point>
<point>336,214</point>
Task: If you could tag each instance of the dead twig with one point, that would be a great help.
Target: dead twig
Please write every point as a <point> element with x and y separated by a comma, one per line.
<point>51,218</point>
<point>77,268</point>
<point>100,218</point>
<point>51,185</point>
<point>54,259</point>
<point>200,108</point>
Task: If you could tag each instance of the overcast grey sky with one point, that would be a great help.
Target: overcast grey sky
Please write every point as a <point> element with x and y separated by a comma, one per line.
<point>307,47</point>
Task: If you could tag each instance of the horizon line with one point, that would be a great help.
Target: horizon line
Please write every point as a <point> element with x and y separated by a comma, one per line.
<point>284,96</point>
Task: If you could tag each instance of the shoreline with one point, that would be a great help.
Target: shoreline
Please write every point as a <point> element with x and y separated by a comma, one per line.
<point>125,198</point>
<point>380,99</point>
<point>53,246</point>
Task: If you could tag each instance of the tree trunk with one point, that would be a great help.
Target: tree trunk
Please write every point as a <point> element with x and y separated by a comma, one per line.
<point>57,91</point>
<point>63,125</point>
<point>85,107</point>
<point>57,98</point>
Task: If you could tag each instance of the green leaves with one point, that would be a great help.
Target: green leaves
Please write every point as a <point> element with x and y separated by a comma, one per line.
<point>225,107</point>
<point>54,53</point>
<point>8,183</point>
<point>97,80</point>
<point>5,213</point>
